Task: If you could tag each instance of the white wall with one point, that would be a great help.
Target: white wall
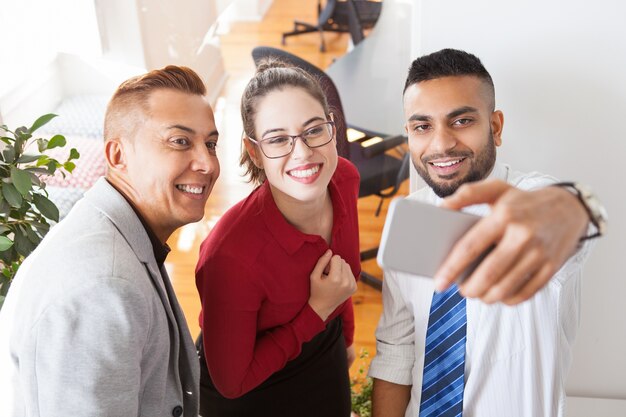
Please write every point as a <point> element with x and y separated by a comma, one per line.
<point>559,68</point>
<point>156,33</point>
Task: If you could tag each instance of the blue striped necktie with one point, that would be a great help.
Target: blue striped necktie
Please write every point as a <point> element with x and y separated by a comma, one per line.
<point>444,363</point>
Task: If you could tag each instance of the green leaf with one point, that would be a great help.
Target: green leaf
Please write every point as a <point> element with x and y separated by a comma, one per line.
<point>56,141</point>
<point>43,160</point>
<point>42,144</point>
<point>41,227</point>
<point>24,159</point>
<point>69,166</point>
<point>35,179</point>
<point>3,228</point>
<point>9,154</point>
<point>6,140</point>
<point>4,207</point>
<point>36,170</point>
<point>52,166</point>
<point>5,243</point>
<point>21,180</point>
<point>73,154</point>
<point>32,236</point>
<point>13,197</point>
<point>22,134</point>
<point>46,207</point>
<point>41,121</point>
<point>22,244</point>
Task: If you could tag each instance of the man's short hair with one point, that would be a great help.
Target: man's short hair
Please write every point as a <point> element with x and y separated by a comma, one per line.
<point>130,100</point>
<point>447,63</point>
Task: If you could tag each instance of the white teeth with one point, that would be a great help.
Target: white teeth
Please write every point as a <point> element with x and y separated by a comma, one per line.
<point>305,172</point>
<point>446,164</point>
<point>190,189</point>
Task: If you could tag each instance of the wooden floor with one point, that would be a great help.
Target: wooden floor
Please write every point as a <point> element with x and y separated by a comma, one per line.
<point>236,46</point>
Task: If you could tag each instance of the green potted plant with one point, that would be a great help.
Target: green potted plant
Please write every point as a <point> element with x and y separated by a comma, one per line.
<point>361,387</point>
<point>25,210</point>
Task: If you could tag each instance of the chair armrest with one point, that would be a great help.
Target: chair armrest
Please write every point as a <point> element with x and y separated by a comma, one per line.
<point>386,144</point>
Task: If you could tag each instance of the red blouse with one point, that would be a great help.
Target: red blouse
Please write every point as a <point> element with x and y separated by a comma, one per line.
<point>253,277</point>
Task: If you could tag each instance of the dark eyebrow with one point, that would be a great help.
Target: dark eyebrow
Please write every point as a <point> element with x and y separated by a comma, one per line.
<point>282,129</point>
<point>419,118</point>
<point>190,130</point>
<point>454,113</point>
<point>183,128</point>
<point>462,110</point>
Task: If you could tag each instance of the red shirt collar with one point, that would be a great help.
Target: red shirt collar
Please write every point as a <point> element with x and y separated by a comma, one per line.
<point>290,238</point>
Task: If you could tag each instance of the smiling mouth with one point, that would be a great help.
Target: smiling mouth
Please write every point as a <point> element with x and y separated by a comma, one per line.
<point>191,189</point>
<point>304,173</point>
<point>447,164</point>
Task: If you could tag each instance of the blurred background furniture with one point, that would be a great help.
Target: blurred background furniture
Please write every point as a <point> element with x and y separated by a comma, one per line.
<point>381,172</point>
<point>351,16</point>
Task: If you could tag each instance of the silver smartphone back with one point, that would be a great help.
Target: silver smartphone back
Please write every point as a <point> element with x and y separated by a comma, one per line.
<point>417,237</point>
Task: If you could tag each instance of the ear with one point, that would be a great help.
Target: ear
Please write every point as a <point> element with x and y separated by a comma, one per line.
<point>253,150</point>
<point>114,154</point>
<point>497,124</point>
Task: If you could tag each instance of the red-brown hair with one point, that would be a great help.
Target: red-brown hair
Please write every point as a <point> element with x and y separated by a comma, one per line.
<point>128,105</point>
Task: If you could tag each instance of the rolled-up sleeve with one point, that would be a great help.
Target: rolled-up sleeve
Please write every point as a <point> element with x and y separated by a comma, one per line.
<point>395,341</point>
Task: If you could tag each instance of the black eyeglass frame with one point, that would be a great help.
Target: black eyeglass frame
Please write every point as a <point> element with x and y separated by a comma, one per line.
<point>293,138</point>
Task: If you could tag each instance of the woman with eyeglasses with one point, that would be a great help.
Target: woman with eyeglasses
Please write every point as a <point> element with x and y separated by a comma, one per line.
<point>276,273</point>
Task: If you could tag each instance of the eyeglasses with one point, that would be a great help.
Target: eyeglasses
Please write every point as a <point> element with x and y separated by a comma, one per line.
<point>282,145</point>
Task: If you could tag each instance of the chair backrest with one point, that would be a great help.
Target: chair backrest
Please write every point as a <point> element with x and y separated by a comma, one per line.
<point>328,87</point>
<point>354,23</point>
<point>325,13</point>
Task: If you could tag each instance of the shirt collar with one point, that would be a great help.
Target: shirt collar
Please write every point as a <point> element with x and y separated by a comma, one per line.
<point>290,238</point>
<point>160,250</point>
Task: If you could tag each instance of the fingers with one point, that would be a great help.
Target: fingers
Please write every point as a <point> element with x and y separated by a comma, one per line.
<point>477,240</point>
<point>335,266</point>
<point>321,264</point>
<point>511,284</point>
<point>515,244</point>
<point>538,281</point>
<point>329,292</point>
<point>343,275</point>
<point>481,192</point>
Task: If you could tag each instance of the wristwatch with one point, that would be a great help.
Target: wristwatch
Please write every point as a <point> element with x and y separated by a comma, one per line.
<point>596,211</point>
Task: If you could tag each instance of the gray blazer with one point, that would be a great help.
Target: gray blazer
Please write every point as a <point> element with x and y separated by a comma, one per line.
<point>92,327</point>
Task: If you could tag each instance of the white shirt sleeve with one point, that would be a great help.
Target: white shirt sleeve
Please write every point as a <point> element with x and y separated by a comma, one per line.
<point>395,342</point>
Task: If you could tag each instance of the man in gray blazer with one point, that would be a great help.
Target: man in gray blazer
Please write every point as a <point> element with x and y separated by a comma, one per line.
<point>91,325</point>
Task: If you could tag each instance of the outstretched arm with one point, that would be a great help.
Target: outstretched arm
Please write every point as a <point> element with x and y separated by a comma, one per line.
<point>534,233</point>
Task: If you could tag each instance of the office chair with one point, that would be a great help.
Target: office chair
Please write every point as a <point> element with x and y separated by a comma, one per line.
<point>350,16</point>
<point>381,174</point>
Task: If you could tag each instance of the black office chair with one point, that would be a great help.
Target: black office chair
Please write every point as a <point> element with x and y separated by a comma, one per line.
<point>381,173</point>
<point>347,16</point>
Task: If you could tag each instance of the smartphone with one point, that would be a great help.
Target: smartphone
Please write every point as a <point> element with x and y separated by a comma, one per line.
<point>417,237</point>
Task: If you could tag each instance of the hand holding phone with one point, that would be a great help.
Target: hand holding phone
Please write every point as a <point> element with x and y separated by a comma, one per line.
<point>417,237</point>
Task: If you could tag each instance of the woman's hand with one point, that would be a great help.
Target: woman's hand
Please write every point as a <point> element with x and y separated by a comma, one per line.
<point>329,291</point>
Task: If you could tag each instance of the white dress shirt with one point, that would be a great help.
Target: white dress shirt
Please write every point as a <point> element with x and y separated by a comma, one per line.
<point>516,358</point>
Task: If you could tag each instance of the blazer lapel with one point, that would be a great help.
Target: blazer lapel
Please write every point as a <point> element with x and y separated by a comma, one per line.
<point>111,203</point>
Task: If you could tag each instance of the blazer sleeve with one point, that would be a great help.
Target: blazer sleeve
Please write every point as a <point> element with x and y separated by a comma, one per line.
<point>238,359</point>
<point>88,350</point>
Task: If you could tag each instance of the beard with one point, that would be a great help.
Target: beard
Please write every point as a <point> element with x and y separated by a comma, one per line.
<point>481,166</point>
